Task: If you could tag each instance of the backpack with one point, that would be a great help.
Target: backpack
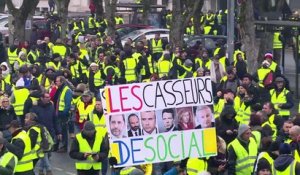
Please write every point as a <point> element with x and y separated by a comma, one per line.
<point>47,140</point>
<point>268,80</point>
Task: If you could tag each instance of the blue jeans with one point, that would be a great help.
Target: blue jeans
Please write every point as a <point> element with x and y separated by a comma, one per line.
<point>44,163</point>
<point>104,166</point>
<point>63,121</point>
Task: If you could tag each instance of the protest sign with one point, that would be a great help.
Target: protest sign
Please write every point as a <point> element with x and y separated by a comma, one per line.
<point>160,121</point>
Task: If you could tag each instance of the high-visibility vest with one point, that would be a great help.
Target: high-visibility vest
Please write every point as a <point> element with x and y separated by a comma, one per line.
<point>210,18</point>
<point>7,79</point>
<point>126,170</point>
<point>243,114</point>
<point>236,52</point>
<point>106,71</point>
<point>12,56</point>
<point>164,68</point>
<point>237,102</point>
<point>130,65</point>
<point>190,30</point>
<point>169,20</point>
<point>98,81</point>
<point>50,45</point>
<point>22,63</point>
<point>6,158</point>
<point>119,20</point>
<point>273,66</point>
<point>60,49</point>
<point>218,108</point>
<point>207,30</point>
<point>195,166</point>
<point>25,163</point>
<point>280,99</point>
<point>266,156</point>
<point>83,112</point>
<point>61,102</point>
<point>157,46</point>
<point>34,55</point>
<point>3,86</point>
<point>262,73</point>
<point>270,122</point>
<point>91,23</point>
<point>222,60</point>
<point>245,160</point>
<point>37,152</point>
<point>99,123</point>
<point>84,147</point>
<point>136,56</point>
<point>53,65</point>
<point>257,137</point>
<point>277,44</point>
<point>75,69</point>
<point>199,62</point>
<point>151,65</point>
<point>296,155</point>
<point>20,97</point>
<point>290,170</point>
<point>187,70</point>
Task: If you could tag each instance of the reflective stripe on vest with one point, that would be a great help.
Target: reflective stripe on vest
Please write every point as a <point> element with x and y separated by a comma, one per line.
<point>290,170</point>
<point>218,108</point>
<point>280,99</point>
<point>25,163</point>
<point>195,166</point>
<point>83,112</point>
<point>243,114</point>
<point>98,81</point>
<point>156,46</point>
<point>20,97</point>
<point>12,56</point>
<point>130,65</point>
<point>245,161</point>
<point>75,70</point>
<point>61,103</point>
<point>273,66</point>
<point>34,56</point>
<point>84,147</point>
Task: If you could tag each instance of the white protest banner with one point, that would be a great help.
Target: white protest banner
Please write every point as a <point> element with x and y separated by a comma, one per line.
<point>160,121</point>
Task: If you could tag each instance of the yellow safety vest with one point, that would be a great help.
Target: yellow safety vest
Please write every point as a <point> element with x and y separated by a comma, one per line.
<point>91,23</point>
<point>280,99</point>
<point>270,122</point>
<point>199,62</point>
<point>37,152</point>
<point>164,68</point>
<point>290,170</point>
<point>126,170</point>
<point>190,30</point>
<point>273,66</point>
<point>106,71</point>
<point>237,102</point>
<point>187,70</point>
<point>25,163</point>
<point>156,46</point>
<point>119,20</point>
<point>12,56</point>
<point>245,160</point>
<point>262,73</point>
<point>195,166</point>
<point>50,45</point>
<point>277,44</point>
<point>7,79</point>
<point>136,56</point>
<point>53,65</point>
<point>22,63</point>
<point>34,55</point>
<point>75,70</point>
<point>83,112</point>
<point>20,97</point>
<point>210,18</point>
<point>151,65</point>
<point>243,114</point>
<point>84,147</point>
<point>5,159</point>
<point>61,102</point>
<point>99,123</point>
<point>60,49</point>
<point>257,137</point>
<point>266,156</point>
<point>130,65</point>
<point>223,62</point>
<point>98,81</point>
<point>207,30</point>
<point>296,155</point>
<point>3,85</point>
<point>218,108</point>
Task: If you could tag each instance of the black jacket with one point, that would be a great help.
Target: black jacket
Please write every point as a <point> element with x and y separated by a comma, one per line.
<point>284,161</point>
<point>6,116</point>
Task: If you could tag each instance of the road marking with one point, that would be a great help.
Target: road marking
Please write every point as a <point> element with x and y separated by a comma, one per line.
<point>70,173</point>
<point>58,169</point>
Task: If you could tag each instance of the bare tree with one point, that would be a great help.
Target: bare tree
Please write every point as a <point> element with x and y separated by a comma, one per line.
<point>110,10</point>
<point>2,6</point>
<point>99,7</point>
<point>20,16</point>
<point>62,11</point>
<point>183,10</point>
<point>146,10</point>
<point>248,39</point>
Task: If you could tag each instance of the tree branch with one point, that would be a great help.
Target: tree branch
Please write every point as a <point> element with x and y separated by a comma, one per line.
<point>11,7</point>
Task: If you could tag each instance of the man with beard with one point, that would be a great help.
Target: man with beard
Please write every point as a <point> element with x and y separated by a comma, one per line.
<point>117,125</point>
<point>134,123</point>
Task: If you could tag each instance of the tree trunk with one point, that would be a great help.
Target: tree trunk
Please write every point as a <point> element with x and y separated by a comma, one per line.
<point>20,16</point>
<point>177,32</point>
<point>62,11</point>
<point>2,6</point>
<point>248,35</point>
<point>197,17</point>
<point>110,10</point>
<point>146,10</point>
<point>99,8</point>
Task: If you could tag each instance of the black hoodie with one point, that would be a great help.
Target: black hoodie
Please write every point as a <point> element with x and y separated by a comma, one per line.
<point>284,161</point>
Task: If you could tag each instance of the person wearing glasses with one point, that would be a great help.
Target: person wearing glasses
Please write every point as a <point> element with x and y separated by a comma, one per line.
<point>7,114</point>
